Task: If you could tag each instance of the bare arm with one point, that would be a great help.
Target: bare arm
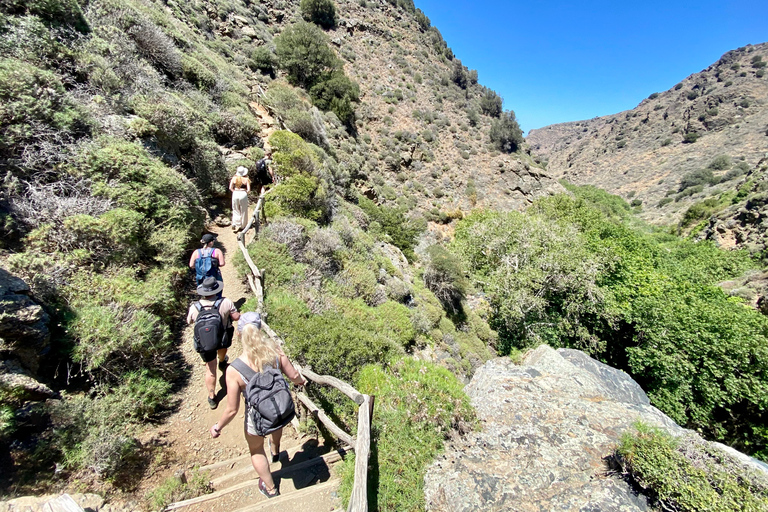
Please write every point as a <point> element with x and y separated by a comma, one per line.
<point>247,185</point>
<point>220,257</point>
<point>290,371</point>
<point>233,402</point>
<point>192,259</point>
<point>232,185</point>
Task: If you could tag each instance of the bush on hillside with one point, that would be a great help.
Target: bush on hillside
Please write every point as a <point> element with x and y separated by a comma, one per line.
<point>263,59</point>
<point>690,137</point>
<point>35,104</point>
<point>490,103</point>
<point>392,222</point>
<point>304,53</point>
<point>337,92</point>
<point>686,474</point>
<point>505,133</point>
<point>459,74</point>
<point>720,163</point>
<point>320,12</point>
<point>53,12</point>
<point>698,177</point>
<point>421,404</point>
<point>445,278</point>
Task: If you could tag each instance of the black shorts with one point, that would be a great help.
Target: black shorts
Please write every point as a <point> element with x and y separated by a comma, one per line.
<point>210,355</point>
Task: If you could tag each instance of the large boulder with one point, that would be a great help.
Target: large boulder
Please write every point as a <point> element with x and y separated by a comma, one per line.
<point>547,427</point>
<point>24,333</point>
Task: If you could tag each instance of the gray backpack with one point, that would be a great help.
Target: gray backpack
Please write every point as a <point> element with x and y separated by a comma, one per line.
<point>267,397</point>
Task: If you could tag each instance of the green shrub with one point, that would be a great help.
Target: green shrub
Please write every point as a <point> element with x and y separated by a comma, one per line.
<point>320,12</point>
<point>392,221</point>
<point>692,95</point>
<point>34,102</point>
<point>653,96</point>
<point>418,404</point>
<point>196,73</point>
<point>700,211</point>
<point>173,489</point>
<point>236,127</point>
<point>720,163</point>
<point>678,87</point>
<point>688,475</point>
<point>505,133</point>
<point>698,177</point>
<point>263,59</point>
<point>336,92</point>
<point>445,278</point>
<point>690,137</point>
<point>490,103</point>
<point>304,53</point>
<point>664,201</point>
<point>666,142</point>
<point>53,12</point>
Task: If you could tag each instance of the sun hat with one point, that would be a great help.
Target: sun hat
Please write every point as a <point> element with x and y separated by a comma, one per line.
<point>210,287</point>
<point>242,171</point>
<point>208,238</point>
<point>251,317</point>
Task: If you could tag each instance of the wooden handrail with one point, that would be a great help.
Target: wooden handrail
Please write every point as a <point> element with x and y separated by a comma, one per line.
<point>342,386</point>
<point>358,501</point>
<point>325,420</point>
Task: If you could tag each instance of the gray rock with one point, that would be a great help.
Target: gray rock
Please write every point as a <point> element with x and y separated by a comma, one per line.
<point>24,332</point>
<point>17,383</point>
<point>547,427</point>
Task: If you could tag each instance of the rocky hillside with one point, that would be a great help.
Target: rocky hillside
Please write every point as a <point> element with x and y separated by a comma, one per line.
<point>714,122</point>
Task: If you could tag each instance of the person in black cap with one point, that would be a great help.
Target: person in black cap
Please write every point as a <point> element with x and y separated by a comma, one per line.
<point>208,290</point>
<point>207,261</point>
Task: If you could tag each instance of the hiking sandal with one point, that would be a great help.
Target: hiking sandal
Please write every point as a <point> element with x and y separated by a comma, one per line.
<point>212,403</point>
<point>265,492</point>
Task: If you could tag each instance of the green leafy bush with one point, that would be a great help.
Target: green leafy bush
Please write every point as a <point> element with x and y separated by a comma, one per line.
<point>698,177</point>
<point>417,405</point>
<point>320,12</point>
<point>304,53</point>
<point>392,222</point>
<point>720,163</point>
<point>445,278</point>
<point>34,102</point>
<point>505,133</point>
<point>565,274</point>
<point>690,137</point>
<point>53,12</point>
<point>490,103</point>
<point>336,92</point>
<point>263,59</point>
<point>686,475</point>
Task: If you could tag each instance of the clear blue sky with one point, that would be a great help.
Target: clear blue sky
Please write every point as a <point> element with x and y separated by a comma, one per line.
<point>556,61</point>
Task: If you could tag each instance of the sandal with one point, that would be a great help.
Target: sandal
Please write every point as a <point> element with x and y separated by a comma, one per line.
<point>275,456</point>
<point>263,489</point>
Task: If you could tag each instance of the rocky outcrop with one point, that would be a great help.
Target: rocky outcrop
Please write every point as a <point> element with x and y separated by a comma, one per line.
<point>547,427</point>
<point>24,333</point>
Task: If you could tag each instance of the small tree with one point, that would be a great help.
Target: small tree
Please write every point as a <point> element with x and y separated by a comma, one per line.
<point>490,103</point>
<point>459,74</point>
<point>445,278</point>
<point>321,12</point>
<point>505,133</point>
<point>304,53</point>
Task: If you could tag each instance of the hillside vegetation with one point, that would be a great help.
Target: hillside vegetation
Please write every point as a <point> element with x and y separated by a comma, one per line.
<point>121,123</point>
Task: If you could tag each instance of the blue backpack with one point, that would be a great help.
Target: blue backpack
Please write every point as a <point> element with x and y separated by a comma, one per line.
<point>205,266</point>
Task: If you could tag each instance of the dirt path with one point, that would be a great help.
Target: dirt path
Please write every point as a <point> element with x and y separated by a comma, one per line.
<point>184,436</point>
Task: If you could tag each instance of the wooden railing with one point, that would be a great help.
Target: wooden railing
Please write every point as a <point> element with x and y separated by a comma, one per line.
<point>361,444</point>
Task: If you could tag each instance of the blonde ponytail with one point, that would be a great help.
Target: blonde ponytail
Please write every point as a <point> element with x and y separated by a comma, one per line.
<point>259,349</point>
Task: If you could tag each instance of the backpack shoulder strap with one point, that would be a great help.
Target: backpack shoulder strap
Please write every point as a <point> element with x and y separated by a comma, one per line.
<point>198,305</point>
<point>199,253</point>
<point>245,370</point>
<point>218,303</point>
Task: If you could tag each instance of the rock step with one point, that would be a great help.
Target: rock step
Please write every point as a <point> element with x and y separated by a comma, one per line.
<point>305,499</point>
<point>290,478</point>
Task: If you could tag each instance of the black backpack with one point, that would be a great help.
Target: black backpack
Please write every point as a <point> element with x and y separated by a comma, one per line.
<point>267,397</point>
<point>209,328</point>
<point>262,173</point>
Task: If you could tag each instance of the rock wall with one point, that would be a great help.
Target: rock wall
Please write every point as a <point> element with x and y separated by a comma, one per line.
<point>547,426</point>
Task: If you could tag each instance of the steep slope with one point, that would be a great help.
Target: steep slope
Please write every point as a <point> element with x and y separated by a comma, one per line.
<point>644,153</point>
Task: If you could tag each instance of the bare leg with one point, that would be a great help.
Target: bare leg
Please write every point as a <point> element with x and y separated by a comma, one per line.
<point>221,353</point>
<point>259,460</point>
<point>210,378</point>
<point>275,442</point>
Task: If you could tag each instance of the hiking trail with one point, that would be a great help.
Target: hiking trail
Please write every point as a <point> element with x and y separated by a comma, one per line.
<point>307,481</point>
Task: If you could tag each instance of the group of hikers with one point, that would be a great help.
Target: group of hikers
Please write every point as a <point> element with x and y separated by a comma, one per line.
<point>257,373</point>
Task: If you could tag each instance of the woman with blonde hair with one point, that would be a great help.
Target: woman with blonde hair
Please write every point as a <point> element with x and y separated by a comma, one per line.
<point>260,353</point>
<point>240,185</point>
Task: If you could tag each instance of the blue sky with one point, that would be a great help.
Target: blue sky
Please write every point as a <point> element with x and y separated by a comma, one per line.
<point>556,61</point>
